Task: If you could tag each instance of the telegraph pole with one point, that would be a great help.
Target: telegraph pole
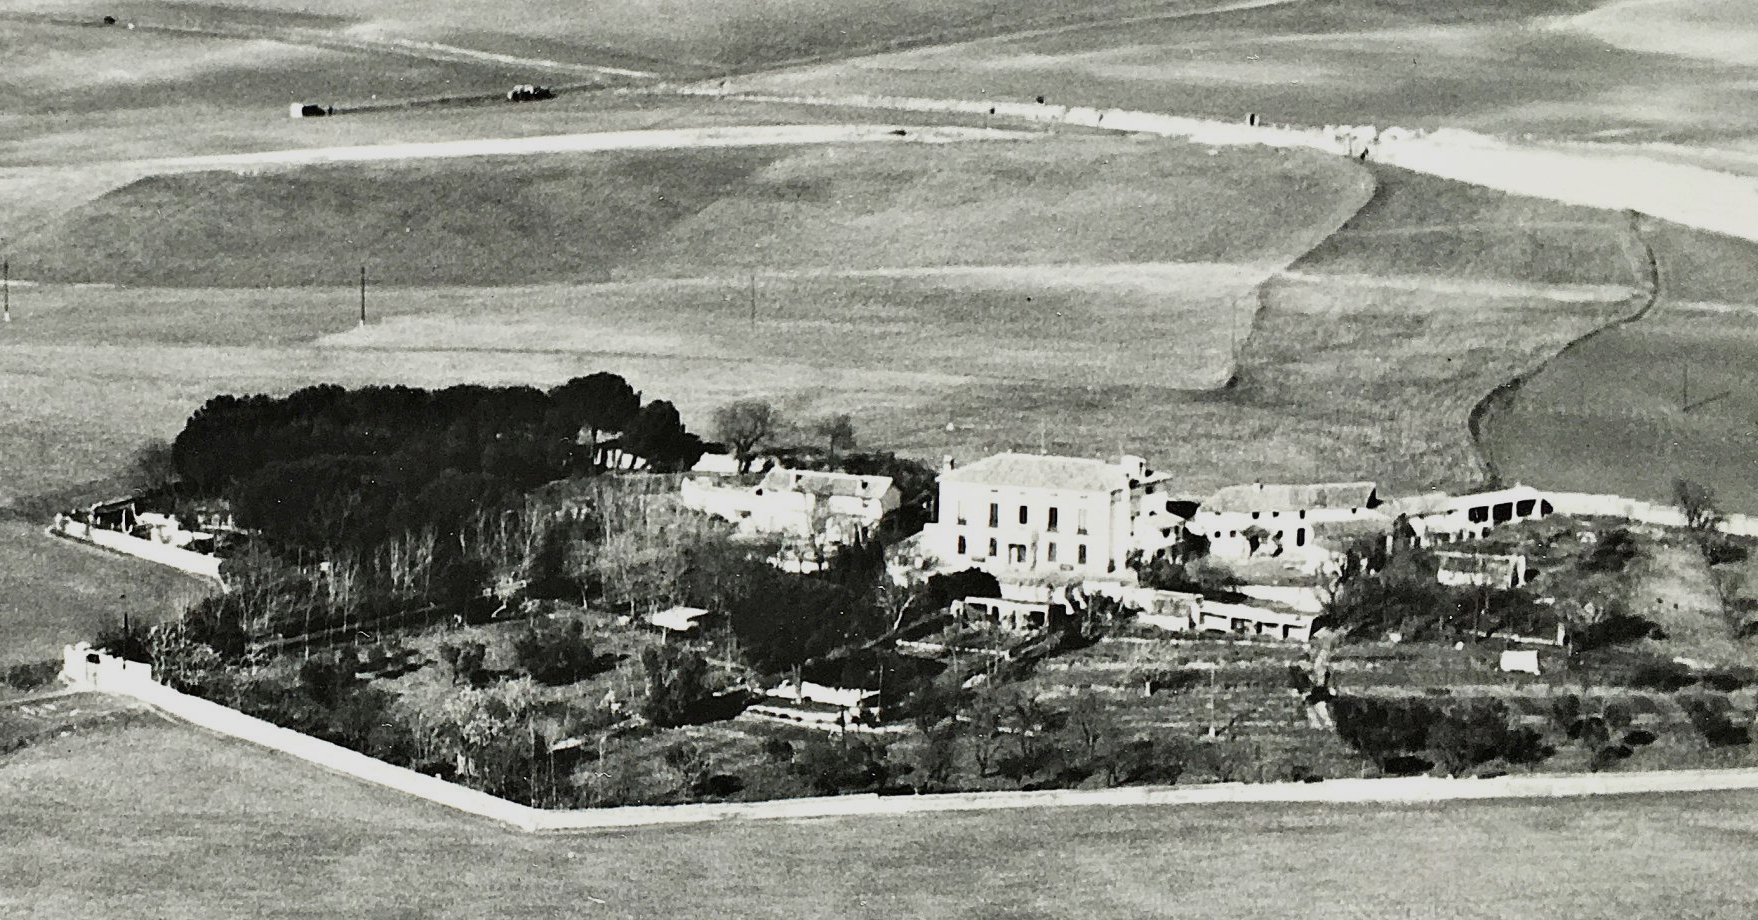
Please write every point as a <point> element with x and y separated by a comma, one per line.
<point>363,295</point>
<point>6,288</point>
<point>753,288</point>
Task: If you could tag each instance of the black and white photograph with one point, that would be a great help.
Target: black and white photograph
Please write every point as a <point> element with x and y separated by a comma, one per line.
<point>944,459</point>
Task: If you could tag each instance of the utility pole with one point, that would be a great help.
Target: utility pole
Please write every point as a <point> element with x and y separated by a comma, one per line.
<point>1685,388</point>
<point>362,295</point>
<point>752,277</point>
<point>6,288</point>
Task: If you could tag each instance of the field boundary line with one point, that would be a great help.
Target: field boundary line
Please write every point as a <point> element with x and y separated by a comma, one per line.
<point>1503,396</point>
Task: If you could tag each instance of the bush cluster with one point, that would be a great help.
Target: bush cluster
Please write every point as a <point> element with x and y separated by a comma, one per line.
<point>1412,734</point>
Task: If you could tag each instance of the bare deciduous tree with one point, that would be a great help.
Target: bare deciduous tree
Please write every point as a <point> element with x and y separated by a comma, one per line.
<point>744,426</point>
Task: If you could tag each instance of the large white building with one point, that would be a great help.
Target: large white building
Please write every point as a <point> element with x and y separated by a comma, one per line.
<point>831,507</point>
<point>1283,521</point>
<point>1437,518</point>
<point>1026,517</point>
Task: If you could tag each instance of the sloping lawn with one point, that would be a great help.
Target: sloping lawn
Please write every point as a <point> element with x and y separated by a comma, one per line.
<point>198,827</point>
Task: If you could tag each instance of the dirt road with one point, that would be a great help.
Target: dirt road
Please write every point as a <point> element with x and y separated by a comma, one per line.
<point>595,142</point>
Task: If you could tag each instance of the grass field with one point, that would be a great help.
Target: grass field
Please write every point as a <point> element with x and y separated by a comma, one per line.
<point>489,222</point>
<point>199,827</point>
<point>1366,363</point>
<point>53,592</point>
<point>1499,67</point>
<point>91,70</point>
<point>1608,416</point>
<point>1070,285</point>
<point>670,34</point>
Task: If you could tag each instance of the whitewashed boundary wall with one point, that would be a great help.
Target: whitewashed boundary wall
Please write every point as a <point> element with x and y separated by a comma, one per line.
<point>135,680</point>
<point>162,553</point>
<point>1584,504</point>
<point>97,671</point>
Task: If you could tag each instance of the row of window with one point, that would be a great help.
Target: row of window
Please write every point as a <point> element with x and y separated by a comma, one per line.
<point>1505,511</point>
<point>1017,552</point>
<point>1052,517</point>
<point>1299,535</point>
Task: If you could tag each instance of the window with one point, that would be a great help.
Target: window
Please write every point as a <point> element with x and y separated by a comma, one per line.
<point>1023,516</point>
<point>1254,515</point>
<point>1080,554</point>
<point>1504,512</point>
<point>959,512</point>
<point>961,546</point>
<point>1050,520</point>
<point>1275,514</point>
<point>1232,533</point>
<point>1524,506</point>
<point>1016,552</point>
<point>1303,514</point>
<point>1049,552</point>
<point>1478,514</point>
<point>994,516</point>
<point>1300,537</point>
<point>991,546</point>
<point>1080,521</point>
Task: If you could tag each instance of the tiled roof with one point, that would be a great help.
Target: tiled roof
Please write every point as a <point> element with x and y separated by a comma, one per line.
<point>1035,471</point>
<point>1270,497</point>
<point>826,484</point>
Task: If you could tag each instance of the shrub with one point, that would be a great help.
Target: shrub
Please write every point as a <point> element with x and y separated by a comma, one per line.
<point>32,676</point>
<point>1709,715</point>
<point>778,750</point>
<point>1148,760</point>
<point>1617,628</point>
<point>1565,713</point>
<point>834,767</point>
<point>1727,681</point>
<point>1478,732</point>
<point>1639,737</point>
<point>465,661</point>
<point>1384,730</point>
<point>1613,553</point>
<point>1665,676</point>
<point>554,653</point>
<point>1722,551</point>
<point>677,684</point>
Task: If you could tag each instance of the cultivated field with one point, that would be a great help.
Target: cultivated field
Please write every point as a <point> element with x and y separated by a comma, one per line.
<point>682,213</point>
<point>1473,65</point>
<point>200,827</point>
<point>1368,355</point>
<point>1612,416</point>
<point>876,269</point>
<point>669,35</point>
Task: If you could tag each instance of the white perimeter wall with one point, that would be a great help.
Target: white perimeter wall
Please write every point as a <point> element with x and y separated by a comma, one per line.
<point>162,553</point>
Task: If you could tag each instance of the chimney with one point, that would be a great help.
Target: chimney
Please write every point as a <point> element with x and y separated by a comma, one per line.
<point>947,463</point>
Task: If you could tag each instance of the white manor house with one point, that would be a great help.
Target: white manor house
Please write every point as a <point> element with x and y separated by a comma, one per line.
<point>1027,516</point>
